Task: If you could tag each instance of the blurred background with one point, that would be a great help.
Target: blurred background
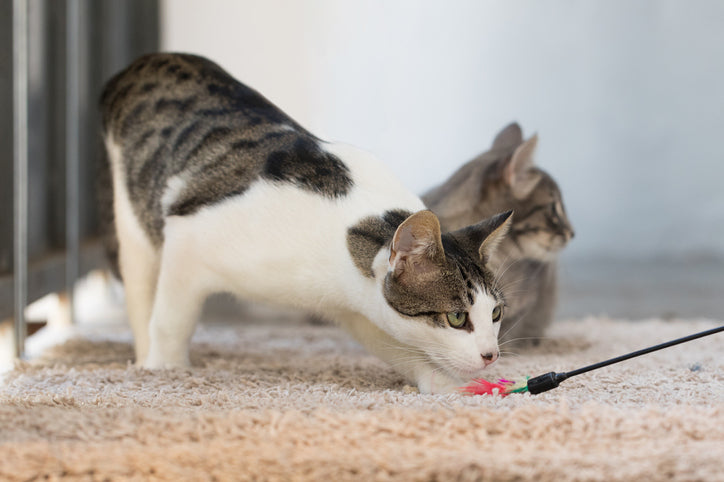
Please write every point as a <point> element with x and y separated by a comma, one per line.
<point>626,96</point>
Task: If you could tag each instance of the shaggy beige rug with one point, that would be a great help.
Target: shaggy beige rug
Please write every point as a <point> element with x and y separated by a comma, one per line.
<point>300,402</point>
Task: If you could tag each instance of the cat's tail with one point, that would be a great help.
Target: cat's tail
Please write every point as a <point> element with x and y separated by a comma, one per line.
<point>106,221</point>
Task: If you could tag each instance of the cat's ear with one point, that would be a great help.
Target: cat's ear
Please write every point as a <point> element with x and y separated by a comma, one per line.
<point>485,237</point>
<point>496,228</point>
<point>520,172</point>
<point>508,138</point>
<point>417,245</point>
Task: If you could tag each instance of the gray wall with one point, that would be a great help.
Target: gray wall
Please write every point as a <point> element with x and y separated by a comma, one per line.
<point>627,96</point>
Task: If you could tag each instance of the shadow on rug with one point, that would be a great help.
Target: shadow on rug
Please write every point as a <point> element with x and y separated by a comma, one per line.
<point>300,402</point>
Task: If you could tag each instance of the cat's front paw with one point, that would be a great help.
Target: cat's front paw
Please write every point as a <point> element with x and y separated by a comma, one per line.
<point>155,362</point>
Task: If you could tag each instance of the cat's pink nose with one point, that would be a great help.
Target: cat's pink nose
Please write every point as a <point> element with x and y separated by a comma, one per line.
<point>489,358</point>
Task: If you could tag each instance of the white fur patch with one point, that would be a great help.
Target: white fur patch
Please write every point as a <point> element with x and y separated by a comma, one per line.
<point>174,187</point>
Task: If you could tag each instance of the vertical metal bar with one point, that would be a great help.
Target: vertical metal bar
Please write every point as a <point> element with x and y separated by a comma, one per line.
<point>20,169</point>
<point>72,151</point>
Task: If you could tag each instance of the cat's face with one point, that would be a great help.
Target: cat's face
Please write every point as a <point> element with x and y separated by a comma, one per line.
<point>512,181</point>
<point>443,301</point>
<point>540,225</point>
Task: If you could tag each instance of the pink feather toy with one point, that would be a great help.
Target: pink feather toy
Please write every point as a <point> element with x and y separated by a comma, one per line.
<point>502,387</point>
<point>551,380</point>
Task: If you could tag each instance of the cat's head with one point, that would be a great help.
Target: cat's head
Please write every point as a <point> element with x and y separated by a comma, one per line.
<point>506,178</point>
<point>444,301</point>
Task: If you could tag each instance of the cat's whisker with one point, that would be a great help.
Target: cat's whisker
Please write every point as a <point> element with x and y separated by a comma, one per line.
<point>419,345</point>
<point>509,354</point>
<point>513,325</point>
<point>396,364</point>
<point>423,343</point>
<point>409,355</point>
<point>512,282</point>
<point>505,287</point>
<point>502,271</point>
<point>514,293</point>
<point>521,317</point>
<point>525,338</point>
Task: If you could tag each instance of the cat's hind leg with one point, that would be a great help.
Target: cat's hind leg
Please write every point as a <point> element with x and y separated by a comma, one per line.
<point>139,271</point>
<point>180,293</point>
<point>138,259</point>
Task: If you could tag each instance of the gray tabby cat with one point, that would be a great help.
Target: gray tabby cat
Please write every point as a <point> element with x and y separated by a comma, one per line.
<point>216,189</point>
<point>505,178</point>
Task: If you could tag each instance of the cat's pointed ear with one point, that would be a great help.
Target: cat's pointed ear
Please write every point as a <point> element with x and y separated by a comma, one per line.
<point>520,172</point>
<point>417,245</point>
<point>484,238</point>
<point>496,228</point>
<point>511,136</point>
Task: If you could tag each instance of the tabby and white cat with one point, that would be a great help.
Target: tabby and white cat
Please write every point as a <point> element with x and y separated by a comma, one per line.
<point>216,189</point>
<point>500,179</point>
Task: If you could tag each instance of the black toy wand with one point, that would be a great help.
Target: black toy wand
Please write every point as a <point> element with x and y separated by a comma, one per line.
<point>551,380</point>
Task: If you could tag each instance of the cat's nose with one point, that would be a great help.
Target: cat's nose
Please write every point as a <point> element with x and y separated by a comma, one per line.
<point>489,358</point>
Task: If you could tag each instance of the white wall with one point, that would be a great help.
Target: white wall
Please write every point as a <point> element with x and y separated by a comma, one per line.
<point>627,96</point>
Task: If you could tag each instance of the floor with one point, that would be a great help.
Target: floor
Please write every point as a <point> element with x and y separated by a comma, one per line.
<point>688,289</point>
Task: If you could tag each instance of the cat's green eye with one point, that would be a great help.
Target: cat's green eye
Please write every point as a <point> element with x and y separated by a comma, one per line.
<point>457,320</point>
<point>497,313</point>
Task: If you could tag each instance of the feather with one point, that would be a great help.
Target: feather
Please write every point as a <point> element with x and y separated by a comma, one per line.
<point>502,387</point>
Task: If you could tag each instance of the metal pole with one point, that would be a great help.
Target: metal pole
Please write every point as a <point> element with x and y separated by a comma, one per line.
<point>72,142</point>
<point>20,168</point>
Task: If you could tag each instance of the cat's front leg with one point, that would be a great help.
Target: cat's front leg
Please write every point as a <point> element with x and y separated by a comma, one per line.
<point>179,298</point>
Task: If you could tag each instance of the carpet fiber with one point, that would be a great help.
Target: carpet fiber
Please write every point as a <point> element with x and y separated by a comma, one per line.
<point>301,402</point>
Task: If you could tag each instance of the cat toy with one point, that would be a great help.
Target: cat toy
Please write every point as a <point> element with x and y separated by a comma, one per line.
<point>551,380</point>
